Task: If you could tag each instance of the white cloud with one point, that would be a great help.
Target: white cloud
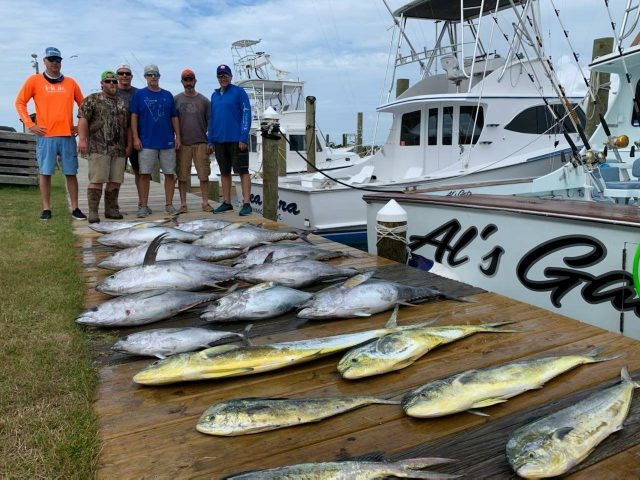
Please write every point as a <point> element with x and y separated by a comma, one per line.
<point>339,47</point>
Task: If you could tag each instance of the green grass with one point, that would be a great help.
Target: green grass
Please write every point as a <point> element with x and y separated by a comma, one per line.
<point>48,428</point>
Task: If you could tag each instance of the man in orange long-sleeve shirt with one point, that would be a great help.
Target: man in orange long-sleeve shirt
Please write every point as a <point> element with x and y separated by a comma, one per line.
<point>53,95</point>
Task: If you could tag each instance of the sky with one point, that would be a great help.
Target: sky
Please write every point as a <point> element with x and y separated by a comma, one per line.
<point>340,48</point>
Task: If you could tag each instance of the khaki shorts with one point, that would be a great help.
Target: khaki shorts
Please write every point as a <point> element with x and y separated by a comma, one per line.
<point>198,153</point>
<point>105,168</point>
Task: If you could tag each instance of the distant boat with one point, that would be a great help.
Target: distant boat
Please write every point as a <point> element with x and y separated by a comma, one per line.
<point>481,116</point>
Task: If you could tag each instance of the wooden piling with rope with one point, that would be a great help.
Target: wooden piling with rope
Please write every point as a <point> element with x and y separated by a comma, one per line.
<point>311,133</point>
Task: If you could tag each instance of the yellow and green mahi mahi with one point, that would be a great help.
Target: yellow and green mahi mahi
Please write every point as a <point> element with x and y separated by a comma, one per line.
<point>231,361</point>
<point>489,386</point>
<point>398,350</point>
<point>350,470</point>
<point>552,445</point>
<point>242,416</point>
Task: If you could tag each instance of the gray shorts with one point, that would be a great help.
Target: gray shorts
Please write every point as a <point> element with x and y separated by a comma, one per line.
<point>147,158</point>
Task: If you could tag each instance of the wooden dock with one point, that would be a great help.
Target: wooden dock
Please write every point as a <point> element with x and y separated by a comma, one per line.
<point>149,432</point>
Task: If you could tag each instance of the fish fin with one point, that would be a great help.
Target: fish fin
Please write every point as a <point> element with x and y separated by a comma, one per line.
<point>268,258</point>
<point>393,319</point>
<point>262,286</point>
<point>478,412</point>
<point>487,402</point>
<point>407,304</point>
<point>152,251</point>
<point>596,351</point>
<point>463,376</point>
<point>245,334</point>
<point>358,279</point>
<point>360,314</point>
<point>160,356</point>
<point>293,259</point>
<point>428,322</point>
<point>302,235</point>
<point>626,377</point>
<point>419,463</point>
<point>215,285</point>
<point>561,432</point>
<point>214,351</point>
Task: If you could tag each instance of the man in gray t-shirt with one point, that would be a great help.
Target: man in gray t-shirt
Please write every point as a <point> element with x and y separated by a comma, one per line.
<point>193,116</point>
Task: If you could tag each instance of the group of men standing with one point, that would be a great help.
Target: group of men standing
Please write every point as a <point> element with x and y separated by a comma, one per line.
<point>149,126</point>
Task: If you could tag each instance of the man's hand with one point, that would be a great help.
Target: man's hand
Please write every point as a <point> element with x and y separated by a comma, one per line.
<point>40,131</point>
<point>83,147</point>
<point>210,149</point>
<point>178,144</point>
<point>137,144</point>
<point>242,146</point>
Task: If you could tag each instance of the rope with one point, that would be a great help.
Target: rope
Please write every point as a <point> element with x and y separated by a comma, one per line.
<point>396,234</point>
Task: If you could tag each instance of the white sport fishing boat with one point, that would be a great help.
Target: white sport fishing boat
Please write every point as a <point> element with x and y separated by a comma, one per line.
<point>568,241</point>
<point>271,93</point>
<point>475,114</point>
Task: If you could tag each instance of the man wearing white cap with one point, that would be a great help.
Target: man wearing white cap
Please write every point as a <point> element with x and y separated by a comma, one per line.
<point>156,136</point>
<point>125,92</point>
<point>53,95</point>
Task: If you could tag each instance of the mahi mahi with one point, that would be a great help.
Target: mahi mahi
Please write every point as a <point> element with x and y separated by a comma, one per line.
<point>142,308</point>
<point>350,470</point>
<point>242,416</point>
<point>481,388</point>
<point>265,300</point>
<point>400,349</point>
<point>361,296</point>
<point>550,446</point>
<point>232,361</point>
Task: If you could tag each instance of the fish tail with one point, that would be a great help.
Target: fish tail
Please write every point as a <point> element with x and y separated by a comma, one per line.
<point>626,377</point>
<point>594,355</point>
<point>393,319</point>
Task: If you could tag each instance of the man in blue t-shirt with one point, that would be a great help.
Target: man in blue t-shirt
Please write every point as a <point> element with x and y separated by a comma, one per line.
<point>228,137</point>
<point>156,136</point>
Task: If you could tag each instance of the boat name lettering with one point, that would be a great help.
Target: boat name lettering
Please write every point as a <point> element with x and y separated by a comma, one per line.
<point>459,193</point>
<point>283,206</point>
<point>560,281</point>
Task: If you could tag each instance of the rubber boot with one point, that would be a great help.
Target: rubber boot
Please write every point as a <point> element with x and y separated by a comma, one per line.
<point>111,205</point>
<point>93,199</point>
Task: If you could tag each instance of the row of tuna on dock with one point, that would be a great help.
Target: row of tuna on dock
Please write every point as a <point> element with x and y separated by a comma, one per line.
<point>164,270</point>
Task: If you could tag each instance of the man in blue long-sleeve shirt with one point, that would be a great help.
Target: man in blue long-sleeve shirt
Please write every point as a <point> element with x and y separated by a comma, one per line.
<point>228,137</point>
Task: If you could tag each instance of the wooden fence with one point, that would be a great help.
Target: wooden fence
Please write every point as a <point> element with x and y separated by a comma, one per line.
<point>18,158</point>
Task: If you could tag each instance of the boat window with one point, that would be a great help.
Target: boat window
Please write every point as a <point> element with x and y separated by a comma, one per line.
<point>253,143</point>
<point>433,127</point>
<point>538,120</point>
<point>410,129</point>
<point>297,143</point>
<point>635,115</point>
<point>470,124</point>
<point>447,125</point>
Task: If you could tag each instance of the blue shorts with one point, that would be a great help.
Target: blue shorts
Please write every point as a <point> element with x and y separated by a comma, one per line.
<point>47,148</point>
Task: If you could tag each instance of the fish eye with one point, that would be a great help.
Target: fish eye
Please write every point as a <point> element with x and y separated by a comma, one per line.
<point>354,360</point>
<point>94,308</point>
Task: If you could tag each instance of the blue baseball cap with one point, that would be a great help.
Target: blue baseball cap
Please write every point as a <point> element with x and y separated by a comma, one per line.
<point>224,70</point>
<point>52,52</point>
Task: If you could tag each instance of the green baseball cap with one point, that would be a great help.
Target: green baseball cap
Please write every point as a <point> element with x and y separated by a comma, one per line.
<point>108,74</point>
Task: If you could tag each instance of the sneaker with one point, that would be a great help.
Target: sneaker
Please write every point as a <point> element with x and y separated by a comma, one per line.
<point>207,208</point>
<point>143,212</point>
<point>170,209</point>
<point>46,215</point>
<point>223,207</point>
<point>245,210</point>
<point>78,215</point>
<point>183,209</point>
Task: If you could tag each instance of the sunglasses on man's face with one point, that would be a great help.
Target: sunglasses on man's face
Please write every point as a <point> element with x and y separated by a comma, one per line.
<point>224,75</point>
<point>188,79</point>
<point>111,81</point>
<point>55,59</point>
<point>124,74</point>
<point>152,75</point>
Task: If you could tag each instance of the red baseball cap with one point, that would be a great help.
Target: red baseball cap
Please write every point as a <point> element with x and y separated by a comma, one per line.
<point>188,73</point>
